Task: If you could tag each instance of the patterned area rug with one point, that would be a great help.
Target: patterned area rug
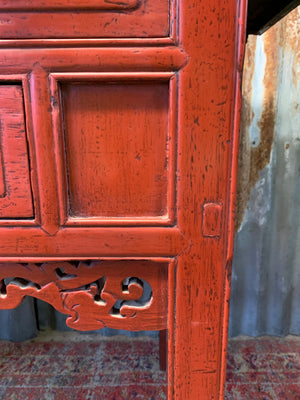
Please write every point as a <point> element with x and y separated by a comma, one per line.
<point>264,368</point>
<point>67,366</point>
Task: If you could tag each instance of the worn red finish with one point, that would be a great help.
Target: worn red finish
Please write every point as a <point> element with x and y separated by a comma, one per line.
<point>126,120</point>
<point>15,190</point>
<point>89,291</point>
<point>85,19</point>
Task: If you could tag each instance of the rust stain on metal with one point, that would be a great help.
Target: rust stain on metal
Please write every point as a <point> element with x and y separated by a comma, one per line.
<point>260,155</point>
<point>254,156</point>
<point>291,26</point>
<point>243,190</point>
<point>260,87</point>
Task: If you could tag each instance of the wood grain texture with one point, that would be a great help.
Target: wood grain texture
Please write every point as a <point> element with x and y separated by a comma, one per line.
<point>207,100</point>
<point>240,52</point>
<point>117,152</point>
<point>15,189</point>
<point>115,142</point>
<point>47,207</point>
<point>212,220</point>
<point>31,242</point>
<point>91,59</point>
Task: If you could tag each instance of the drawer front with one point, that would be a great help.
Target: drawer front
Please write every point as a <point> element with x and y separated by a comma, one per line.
<point>32,5</point>
<point>84,19</point>
<point>15,190</point>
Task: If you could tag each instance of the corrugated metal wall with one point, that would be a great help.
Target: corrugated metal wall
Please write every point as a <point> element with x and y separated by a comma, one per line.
<point>266,273</point>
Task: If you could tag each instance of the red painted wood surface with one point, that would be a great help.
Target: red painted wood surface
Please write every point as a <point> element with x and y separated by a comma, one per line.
<point>131,166</point>
<point>129,114</point>
<point>212,219</point>
<point>89,291</point>
<point>15,189</point>
<point>27,19</point>
<point>35,5</point>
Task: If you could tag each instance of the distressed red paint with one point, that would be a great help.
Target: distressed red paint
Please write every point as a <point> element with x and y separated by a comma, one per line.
<point>131,120</point>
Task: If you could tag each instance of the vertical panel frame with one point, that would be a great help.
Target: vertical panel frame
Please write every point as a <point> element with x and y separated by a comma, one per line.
<point>46,171</point>
<point>207,154</point>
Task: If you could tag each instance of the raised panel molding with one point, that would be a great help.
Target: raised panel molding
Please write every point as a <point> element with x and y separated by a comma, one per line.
<point>29,243</point>
<point>89,61</point>
<point>212,220</point>
<point>130,127</point>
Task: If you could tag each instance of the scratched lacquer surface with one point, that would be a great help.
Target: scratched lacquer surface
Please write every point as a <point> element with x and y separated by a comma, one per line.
<point>118,154</point>
<point>120,131</point>
<point>28,19</point>
<point>15,190</point>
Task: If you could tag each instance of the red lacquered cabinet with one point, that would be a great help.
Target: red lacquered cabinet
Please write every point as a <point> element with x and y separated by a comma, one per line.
<point>118,156</point>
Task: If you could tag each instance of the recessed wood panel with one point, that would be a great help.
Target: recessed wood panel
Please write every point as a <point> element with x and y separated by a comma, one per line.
<point>117,144</point>
<point>15,190</point>
<point>29,19</point>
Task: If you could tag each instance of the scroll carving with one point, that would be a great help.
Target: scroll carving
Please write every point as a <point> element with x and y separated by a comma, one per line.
<point>123,294</point>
